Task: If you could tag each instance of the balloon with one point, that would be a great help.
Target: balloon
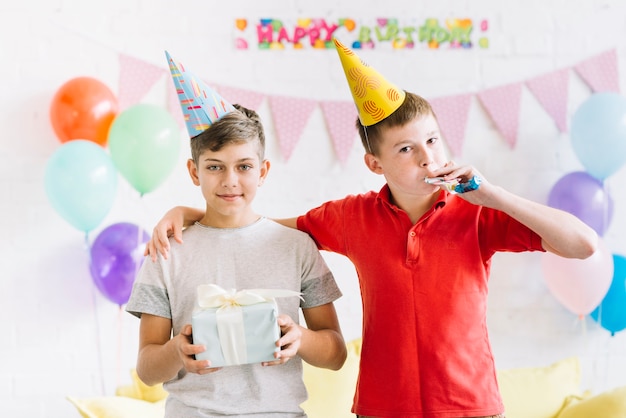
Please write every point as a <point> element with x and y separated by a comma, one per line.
<point>81,183</point>
<point>611,314</point>
<point>598,134</point>
<point>584,197</point>
<point>83,108</point>
<point>579,285</point>
<point>116,255</point>
<point>144,141</point>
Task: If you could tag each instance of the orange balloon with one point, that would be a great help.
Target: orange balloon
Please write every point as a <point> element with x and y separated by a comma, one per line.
<point>83,108</point>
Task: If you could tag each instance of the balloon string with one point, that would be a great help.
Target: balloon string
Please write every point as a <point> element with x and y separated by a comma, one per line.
<point>595,367</point>
<point>585,339</point>
<point>605,207</point>
<point>604,353</point>
<point>607,355</point>
<point>94,299</point>
<point>580,321</point>
<point>138,248</point>
<point>119,345</point>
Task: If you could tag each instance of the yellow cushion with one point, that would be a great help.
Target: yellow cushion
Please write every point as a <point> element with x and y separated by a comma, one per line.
<point>117,407</point>
<point>130,391</point>
<point>331,392</point>
<point>134,400</point>
<point>539,392</point>
<point>609,404</point>
<point>147,393</point>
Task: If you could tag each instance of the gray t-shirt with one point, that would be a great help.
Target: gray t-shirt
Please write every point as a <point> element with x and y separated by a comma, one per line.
<point>261,255</point>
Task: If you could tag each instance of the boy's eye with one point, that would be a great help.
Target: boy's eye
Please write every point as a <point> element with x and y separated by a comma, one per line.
<point>245,167</point>
<point>213,168</point>
<point>432,140</point>
<point>405,149</point>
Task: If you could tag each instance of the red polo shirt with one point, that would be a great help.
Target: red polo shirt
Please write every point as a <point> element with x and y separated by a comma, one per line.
<point>426,351</point>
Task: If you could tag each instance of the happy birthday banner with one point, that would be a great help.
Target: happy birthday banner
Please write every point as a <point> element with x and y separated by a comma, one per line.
<point>290,114</point>
<point>311,33</point>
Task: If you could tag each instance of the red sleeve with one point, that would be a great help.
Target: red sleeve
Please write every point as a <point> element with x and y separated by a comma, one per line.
<point>325,224</point>
<point>500,232</point>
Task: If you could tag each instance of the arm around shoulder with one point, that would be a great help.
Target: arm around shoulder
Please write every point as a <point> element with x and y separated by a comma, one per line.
<point>172,224</point>
<point>288,222</point>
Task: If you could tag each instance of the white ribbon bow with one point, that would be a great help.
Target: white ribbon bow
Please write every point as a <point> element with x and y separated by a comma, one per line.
<point>214,296</point>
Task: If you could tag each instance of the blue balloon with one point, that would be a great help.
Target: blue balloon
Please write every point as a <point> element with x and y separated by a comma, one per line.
<point>81,183</point>
<point>611,313</point>
<point>598,134</point>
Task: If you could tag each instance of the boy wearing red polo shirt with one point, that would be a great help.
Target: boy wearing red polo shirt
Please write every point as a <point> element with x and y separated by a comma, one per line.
<point>422,255</point>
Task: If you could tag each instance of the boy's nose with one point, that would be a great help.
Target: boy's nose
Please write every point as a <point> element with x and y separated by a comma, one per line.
<point>425,158</point>
<point>229,179</point>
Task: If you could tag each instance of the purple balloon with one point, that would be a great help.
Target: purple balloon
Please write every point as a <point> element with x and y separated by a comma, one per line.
<point>583,196</point>
<point>116,255</point>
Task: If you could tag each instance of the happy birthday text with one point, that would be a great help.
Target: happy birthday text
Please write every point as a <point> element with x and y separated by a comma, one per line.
<point>431,33</point>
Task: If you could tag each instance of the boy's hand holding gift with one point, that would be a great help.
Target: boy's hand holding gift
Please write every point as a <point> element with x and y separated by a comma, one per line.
<point>237,327</point>
<point>187,350</point>
<point>289,342</point>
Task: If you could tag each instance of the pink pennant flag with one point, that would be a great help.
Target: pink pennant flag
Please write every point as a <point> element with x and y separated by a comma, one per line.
<point>600,72</point>
<point>340,117</point>
<point>551,91</point>
<point>136,78</point>
<point>247,98</point>
<point>503,106</point>
<point>290,115</point>
<point>452,112</point>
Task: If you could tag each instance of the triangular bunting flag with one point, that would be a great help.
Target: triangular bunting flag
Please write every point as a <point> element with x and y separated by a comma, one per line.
<point>600,72</point>
<point>452,112</point>
<point>503,105</point>
<point>340,117</point>
<point>136,78</point>
<point>290,115</point>
<point>246,98</point>
<point>551,91</point>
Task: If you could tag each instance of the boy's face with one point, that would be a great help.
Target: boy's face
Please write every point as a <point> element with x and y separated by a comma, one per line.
<point>229,179</point>
<point>409,153</point>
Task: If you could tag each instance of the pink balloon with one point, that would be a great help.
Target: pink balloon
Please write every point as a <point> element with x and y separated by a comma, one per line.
<point>579,285</point>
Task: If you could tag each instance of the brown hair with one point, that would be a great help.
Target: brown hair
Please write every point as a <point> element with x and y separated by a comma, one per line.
<point>239,126</point>
<point>413,107</point>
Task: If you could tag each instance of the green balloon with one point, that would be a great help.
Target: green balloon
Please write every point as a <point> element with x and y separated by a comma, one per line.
<point>144,142</point>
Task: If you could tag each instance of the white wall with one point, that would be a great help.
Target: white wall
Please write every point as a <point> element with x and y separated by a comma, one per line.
<point>61,337</point>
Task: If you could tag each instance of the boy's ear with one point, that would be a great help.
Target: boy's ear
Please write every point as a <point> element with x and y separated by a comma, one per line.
<point>193,171</point>
<point>372,163</point>
<point>265,168</point>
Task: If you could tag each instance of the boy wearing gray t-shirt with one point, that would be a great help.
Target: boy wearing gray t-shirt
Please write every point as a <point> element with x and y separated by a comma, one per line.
<point>235,248</point>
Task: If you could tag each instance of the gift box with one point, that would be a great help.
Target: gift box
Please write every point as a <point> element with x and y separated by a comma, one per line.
<point>236,327</point>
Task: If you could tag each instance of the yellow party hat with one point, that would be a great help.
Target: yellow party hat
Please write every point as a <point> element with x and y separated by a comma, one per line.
<point>374,96</point>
